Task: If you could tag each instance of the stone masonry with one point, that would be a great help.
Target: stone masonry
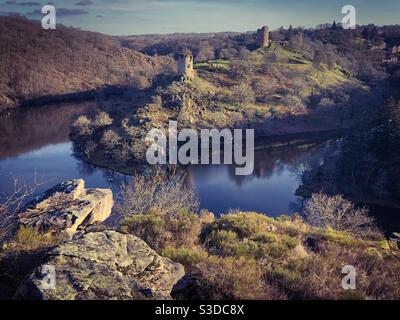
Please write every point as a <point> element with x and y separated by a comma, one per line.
<point>263,37</point>
<point>185,66</point>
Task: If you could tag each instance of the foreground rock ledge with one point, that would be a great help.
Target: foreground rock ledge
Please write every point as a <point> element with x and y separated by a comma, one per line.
<point>67,207</point>
<point>104,265</point>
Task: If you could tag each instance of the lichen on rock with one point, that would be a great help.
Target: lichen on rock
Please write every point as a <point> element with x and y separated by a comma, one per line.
<point>66,207</point>
<point>104,265</point>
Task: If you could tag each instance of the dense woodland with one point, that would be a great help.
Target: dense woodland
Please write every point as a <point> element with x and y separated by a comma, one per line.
<point>36,63</point>
<point>363,164</point>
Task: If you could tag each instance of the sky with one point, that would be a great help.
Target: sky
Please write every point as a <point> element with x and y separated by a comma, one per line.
<point>128,17</point>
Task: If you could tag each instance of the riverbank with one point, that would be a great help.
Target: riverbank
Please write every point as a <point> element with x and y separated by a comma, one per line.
<point>163,249</point>
<point>301,140</point>
<point>36,140</point>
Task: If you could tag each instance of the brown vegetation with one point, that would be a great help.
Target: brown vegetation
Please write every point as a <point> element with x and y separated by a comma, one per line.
<point>337,213</point>
<point>37,62</point>
<point>245,255</point>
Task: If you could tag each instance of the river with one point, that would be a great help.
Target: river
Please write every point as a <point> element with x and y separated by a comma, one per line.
<point>34,144</point>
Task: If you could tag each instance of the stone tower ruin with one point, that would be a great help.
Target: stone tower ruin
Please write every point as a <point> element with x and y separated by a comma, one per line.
<point>185,66</point>
<point>263,37</point>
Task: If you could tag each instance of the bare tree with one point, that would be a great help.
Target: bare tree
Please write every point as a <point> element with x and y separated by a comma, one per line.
<point>337,213</point>
<point>162,190</point>
<point>243,94</point>
<point>319,59</point>
<point>110,139</point>
<point>205,52</point>
<point>124,152</point>
<point>11,203</point>
<point>83,126</point>
<point>102,120</point>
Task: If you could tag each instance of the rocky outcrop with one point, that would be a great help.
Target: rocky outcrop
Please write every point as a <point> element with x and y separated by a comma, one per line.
<point>95,262</point>
<point>67,207</point>
<point>104,265</point>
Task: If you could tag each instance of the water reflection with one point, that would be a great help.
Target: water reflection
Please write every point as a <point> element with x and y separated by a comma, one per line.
<point>271,187</point>
<point>37,140</point>
<point>30,129</point>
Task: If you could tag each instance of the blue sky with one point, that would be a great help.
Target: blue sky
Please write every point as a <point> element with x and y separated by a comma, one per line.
<point>124,17</point>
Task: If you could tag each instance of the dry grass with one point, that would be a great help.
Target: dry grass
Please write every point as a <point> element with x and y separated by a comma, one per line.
<point>246,255</point>
<point>11,204</point>
<point>230,278</point>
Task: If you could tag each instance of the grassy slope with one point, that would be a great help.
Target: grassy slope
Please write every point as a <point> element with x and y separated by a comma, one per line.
<point>213,79</point>
<point>245,255</point>
<point>209,102</point>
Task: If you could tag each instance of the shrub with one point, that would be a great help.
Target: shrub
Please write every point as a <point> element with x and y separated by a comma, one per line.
<point>242,94</point>
<point>258,246</point>
<point>102,120</point>
<point>83,126</point>
<point>29,239</point>
<point>244,224</point>
<point>10,205</point>
<point>188,257</point>
<point>162,190</point>
<point>338,237</point>
<point>230,278</point>
<point>289,241</point>
<point>273,250</point>
<point>159,230</point>
<point>263,90</point>
<point>319,276</point>
<point>110,139</point>
<point>265,237</point>
<point>287,276</point>
<point>217,239</point>
<point>149,228</point>
<point>290,229</point>
<point>338,213</point>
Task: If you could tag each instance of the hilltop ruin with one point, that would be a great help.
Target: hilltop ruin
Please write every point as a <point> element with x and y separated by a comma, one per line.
<point>185,66</point>
<point>263,37</point>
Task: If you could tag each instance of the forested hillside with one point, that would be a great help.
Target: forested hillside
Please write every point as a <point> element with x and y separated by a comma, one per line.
<point>294,85</point>
<point>37,62</point>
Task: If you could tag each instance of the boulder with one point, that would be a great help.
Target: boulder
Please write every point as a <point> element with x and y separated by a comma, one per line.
<point>188,288</point>
<point>104,265</point>
<point>67,207</point>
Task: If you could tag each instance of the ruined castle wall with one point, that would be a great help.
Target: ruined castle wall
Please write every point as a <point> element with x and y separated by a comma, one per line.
<point>263,37</point>
<point>185,66</point>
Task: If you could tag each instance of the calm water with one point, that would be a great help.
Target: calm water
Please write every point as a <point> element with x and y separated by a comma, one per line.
<point>36,142</point>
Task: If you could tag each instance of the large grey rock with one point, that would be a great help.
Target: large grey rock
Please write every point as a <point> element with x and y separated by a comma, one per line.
<point>66,207</point>
<point>104,265</point>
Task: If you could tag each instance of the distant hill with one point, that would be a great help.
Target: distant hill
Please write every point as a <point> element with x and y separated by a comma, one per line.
<point>66,61</point>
